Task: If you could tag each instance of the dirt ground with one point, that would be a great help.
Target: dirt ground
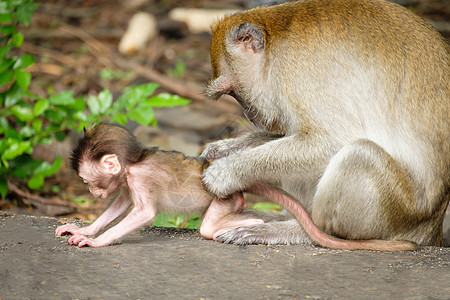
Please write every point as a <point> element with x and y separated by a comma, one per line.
<point>164,263</point>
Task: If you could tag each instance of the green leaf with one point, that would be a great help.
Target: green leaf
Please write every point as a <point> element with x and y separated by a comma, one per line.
<point>193,222</point>
<point>56,116</point>
<point>36,182</point>
<point>63,98</point>
<point>107,73</point>
<point>27,132</point>
<point>24,61</point>
<point>46,169</point>
<point>267,206</point>
<point>24,12</point>
<point>79,115</point>
<point>120,118</point>
<point>105,100</point>
<point>6,77</point>
<point>60,135</point>
<point>4,9</point>
<point>168,220</point>
<point>41,106</point>
<point>10,132</point>
<point>14,95</point>
<point>24,166</point>
<point>143,115</point>
<point>3,187</point>
<point>7,29</point>
<point>46,140</point>
<point>6,63</point>
<point>93,105</point>
<point>4,125</point>
<point>15,149</point>
<point>142,90</point>
<point>80,200</point>
<point>37,125</point>
<point>17,39</point>
<point>23,113</point>
<point>4,50</point>
<point>5,17</point>
<point>120,103</point>
<point>23,78</point>
<point>163,220</point>
<point>79,104</point>
<point>167,100</point>
<point>137,94</point>
<point>3,145</point>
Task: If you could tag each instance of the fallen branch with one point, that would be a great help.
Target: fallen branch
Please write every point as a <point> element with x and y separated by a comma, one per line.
<point>27,195</point>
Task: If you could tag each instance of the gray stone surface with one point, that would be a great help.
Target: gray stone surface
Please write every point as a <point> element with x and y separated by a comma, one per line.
<point>164,263</point>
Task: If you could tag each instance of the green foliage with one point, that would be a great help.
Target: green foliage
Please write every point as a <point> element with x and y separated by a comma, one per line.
<point>109,74</point>
<point>193,221</point>
<point>266,206</point>
<point>27,120</point>
<point>166,220</point>
<point>178,69</point>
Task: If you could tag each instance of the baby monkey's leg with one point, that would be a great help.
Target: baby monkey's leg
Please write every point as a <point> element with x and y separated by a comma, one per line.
<point>225,214</point>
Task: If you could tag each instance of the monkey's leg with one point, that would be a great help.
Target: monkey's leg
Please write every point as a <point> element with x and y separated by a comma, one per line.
<point>275,232</point>
<point>224,214</point>
<point>365,194</point>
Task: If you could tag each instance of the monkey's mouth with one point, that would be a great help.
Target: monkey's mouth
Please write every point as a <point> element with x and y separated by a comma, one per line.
<point>250,112</point>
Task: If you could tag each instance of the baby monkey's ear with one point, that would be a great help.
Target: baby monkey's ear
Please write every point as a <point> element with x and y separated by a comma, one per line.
<point>111,164</point>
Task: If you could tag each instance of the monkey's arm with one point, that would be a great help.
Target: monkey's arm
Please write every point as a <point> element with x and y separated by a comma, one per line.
<point>142,213</point>
<point>226,147</point>
<point>114,210</point>
<point>284,158</point>
<point>137,218</point>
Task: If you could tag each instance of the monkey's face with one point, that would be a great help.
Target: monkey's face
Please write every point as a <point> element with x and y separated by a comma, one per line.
<point>101,184</point>
<point>240,67</point>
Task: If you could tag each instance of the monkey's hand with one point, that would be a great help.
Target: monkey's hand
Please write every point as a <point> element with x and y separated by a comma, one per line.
<point>82,240</point>
<point>219,149</point>
<point>221,179</point>
<point>73,229</point>
<point>226,147</point>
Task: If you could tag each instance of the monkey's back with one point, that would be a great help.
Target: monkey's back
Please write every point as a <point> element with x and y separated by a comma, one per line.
<point>178,179</point>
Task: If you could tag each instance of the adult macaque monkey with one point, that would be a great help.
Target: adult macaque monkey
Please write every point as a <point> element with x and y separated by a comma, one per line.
<point>352,102</point>
<point>112,162</point>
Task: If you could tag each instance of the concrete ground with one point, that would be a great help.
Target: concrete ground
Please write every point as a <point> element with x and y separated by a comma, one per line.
<point>165,263</point>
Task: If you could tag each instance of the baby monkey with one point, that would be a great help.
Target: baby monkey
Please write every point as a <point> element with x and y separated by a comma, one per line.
<point>113,163</point>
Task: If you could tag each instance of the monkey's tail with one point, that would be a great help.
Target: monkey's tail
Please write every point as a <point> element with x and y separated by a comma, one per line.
<point>316,234</point>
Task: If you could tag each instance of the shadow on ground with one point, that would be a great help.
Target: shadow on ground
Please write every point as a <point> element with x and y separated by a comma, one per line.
<point>164,263</point>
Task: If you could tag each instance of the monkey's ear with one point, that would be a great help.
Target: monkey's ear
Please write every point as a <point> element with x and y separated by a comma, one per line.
<point>110,162</point>
<point>248,37</point>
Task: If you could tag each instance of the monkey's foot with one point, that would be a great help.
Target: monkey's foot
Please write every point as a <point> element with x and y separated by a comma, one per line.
<point>282,233</point>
